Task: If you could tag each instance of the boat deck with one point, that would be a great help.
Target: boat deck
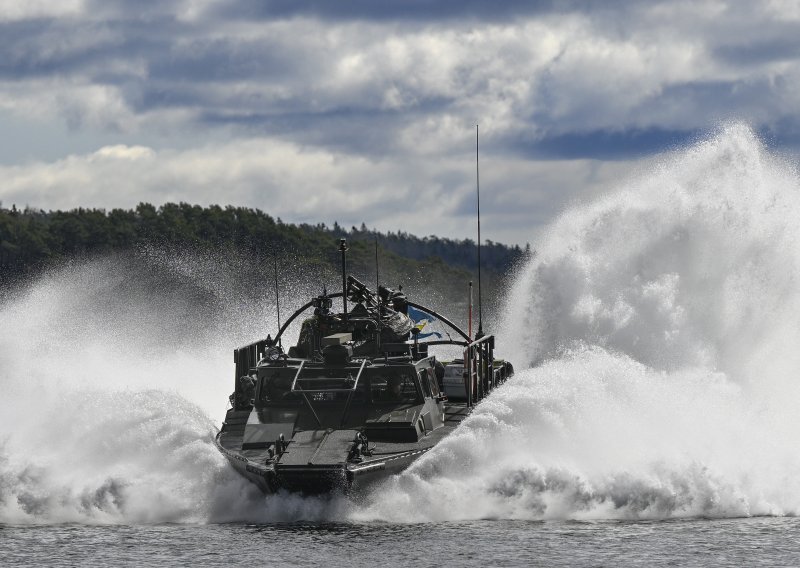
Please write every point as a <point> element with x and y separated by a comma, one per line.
<point>232,435</point>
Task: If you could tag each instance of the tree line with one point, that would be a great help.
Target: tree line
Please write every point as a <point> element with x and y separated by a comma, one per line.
<point>31,238</point>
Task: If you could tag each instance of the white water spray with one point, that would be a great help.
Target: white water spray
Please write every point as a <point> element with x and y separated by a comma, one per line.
<point>114,374</point>
<point>663,320</point>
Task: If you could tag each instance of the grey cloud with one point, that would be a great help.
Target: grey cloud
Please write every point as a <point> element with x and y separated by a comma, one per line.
<point>420,10</point>
<point>289,79</point>
<point>405,82</point>
<point>226,59</point>
<point>761,51</point>
<point>603,144</point>
<point>48,47</point>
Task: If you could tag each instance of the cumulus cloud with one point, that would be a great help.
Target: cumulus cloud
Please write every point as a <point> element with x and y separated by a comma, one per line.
<point>310,185</point>
<point>12,10</point>
<point>373,84</point>
<point>301,67</point>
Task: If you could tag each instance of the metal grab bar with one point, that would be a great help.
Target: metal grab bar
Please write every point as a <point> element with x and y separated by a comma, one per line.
<point>479,369</point>
<point>297,377</point>
<point>304,392</point>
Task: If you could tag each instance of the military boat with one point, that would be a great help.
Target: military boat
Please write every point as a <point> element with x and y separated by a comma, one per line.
<point>357,399</point>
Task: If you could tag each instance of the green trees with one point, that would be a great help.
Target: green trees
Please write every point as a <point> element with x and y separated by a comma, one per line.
<point>32,237</point>
<point>24,239</point>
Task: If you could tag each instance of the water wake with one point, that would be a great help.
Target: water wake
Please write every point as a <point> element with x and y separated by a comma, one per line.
<point>114,375</point>
<point>662,321</point>
<point>596,435</point>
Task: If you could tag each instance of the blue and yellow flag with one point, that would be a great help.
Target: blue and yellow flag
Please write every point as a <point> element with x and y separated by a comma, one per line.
<point>421,319</point>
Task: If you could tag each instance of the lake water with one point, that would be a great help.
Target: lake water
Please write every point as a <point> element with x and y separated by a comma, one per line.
<point>729,542</point>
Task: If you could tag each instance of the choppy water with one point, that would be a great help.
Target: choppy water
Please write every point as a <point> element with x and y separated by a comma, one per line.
<point>655,422</point>
<point>739,542</point>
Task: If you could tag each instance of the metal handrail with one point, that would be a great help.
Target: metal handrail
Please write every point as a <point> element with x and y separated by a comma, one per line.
<point>307,305</point>
<point>305,392</point>
<point>299,311</point>
<point>479,363</point>
<point>297,377</point>
<point>297,374</point>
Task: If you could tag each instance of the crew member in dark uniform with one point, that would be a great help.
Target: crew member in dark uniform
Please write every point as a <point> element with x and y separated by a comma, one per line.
<point>247,390</point>
<point>394,389</point>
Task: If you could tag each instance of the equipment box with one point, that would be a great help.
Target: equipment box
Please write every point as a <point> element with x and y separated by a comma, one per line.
<point>454,383</point>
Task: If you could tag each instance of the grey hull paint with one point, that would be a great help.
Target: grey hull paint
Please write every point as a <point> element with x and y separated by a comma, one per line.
<point>344,478</point>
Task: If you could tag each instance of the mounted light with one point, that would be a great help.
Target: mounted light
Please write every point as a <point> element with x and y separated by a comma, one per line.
<point>273,354</point>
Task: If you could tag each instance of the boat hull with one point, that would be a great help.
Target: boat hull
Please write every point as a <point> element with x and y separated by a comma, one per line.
<point>315,479</point>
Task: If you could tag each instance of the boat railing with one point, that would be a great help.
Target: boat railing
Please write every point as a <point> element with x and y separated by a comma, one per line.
<point>479,369</point>
<point>323,387</point>
<point>300,383</point>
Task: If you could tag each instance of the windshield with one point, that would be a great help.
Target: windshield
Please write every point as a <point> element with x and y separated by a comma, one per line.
<point>393,386</point>
<point>276,388</point>
<point>378,385</point>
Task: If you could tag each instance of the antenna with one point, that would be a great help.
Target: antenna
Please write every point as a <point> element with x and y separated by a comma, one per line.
<point>343,249</point>
<point>277,293</point>
<point>378,299</point>
<point>478,186</point>
<point>469,328</point>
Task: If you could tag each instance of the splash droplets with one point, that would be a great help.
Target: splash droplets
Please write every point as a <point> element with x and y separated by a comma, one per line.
<point>662,320</point>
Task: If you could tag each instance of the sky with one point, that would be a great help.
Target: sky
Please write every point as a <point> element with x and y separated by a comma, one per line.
<point>360,111</point>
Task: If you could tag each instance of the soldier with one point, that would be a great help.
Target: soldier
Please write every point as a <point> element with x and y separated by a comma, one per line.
<point>306,342</point>
<point>394,388</point>
<point>247,390</point>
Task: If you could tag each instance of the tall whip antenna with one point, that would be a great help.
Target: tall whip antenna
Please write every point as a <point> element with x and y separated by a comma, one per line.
<point>343,249</point>
<point>478,186</point>
<point>378,298</point>
<point>277,293</point>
